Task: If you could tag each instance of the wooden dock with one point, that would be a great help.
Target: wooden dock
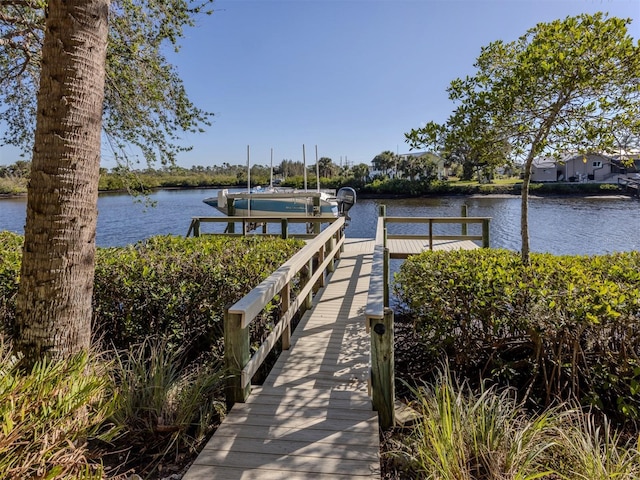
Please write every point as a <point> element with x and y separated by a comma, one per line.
<point>312,418</point>
<point>402,248</point>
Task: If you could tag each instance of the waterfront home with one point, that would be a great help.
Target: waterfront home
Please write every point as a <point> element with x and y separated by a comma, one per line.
<point>590,167</point>
<point>545,169</point>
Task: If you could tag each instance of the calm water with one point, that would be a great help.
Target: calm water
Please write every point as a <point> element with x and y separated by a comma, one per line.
<point>557,225</point>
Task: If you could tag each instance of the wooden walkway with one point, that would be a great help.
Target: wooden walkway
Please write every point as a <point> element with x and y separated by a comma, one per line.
<point>312,418</point>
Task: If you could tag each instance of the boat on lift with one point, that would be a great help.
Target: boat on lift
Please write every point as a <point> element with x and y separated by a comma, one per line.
<point>283,202</point>
<point>274,202</point>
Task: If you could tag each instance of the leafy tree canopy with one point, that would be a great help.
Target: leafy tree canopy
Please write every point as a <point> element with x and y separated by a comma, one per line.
<point>570,85</point>
<point>145,106</point>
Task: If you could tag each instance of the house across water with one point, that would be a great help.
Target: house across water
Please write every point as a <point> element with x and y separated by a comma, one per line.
<point>591,167</point>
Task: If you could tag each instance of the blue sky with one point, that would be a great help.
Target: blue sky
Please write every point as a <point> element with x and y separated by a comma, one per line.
<point>350,76</point>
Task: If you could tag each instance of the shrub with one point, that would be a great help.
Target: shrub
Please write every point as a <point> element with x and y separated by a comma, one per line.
<point>178,287</point>
<point>464,433</point>
<point>47,415</point>
<point>166,408</point>
<point>564,327</point>
<point>10,255</point>
<point>170,286</point>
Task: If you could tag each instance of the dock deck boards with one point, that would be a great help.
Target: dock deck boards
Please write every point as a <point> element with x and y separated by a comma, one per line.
<point>402,248</point>
<point>313,417</point>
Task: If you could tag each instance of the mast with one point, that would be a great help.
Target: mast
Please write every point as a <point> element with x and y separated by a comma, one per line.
<point>248,172</point>
<point>304,164</point>
<point>317,171</point>
<point>271,178</point>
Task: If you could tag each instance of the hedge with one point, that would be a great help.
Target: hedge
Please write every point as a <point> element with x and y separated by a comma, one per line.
<point>564,327</point>
<point>167,286</point>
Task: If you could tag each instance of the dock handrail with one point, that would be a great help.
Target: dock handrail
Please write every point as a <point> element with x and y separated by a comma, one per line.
<point>378,315</point>
<point>325,247</point>
<point>196,224</point>
<point>484,237</point>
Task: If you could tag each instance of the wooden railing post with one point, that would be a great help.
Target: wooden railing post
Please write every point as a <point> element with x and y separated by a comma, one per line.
<point>386,272</point>
<point>284,228</point>
<point>431,234</point>
<point>316,212</point>
<point>194,227</point>
<point>236,356</point>
<point>463,213</point>
<point>332,246</point>
<point>485,233</point>
<point>382,365</point>
<point>285,299</point>
<point>322,281</point>
<point>308,304</point>
<point>231,211</point>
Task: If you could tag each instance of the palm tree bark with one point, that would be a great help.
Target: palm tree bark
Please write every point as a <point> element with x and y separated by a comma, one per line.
<point>56,282</point>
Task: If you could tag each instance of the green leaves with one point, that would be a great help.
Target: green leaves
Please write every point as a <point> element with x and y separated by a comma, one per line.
<point>564,86</point>
<point>556,328</point>
<point>48,414</point>
<point>177,288</point>
<point>146,104</point>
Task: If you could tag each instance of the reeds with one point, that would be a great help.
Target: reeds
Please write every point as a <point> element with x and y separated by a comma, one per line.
<point>470,435</point>
<point>47,415</point>
<point>164,405</point>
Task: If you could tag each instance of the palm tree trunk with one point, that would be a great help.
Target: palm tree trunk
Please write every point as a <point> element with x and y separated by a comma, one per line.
<point>56,281</point>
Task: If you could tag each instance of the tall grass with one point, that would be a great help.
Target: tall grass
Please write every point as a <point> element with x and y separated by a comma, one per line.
<point>165,407</point>
<point>593,450</point>
<point>47,415</point>
<point>468,435</point>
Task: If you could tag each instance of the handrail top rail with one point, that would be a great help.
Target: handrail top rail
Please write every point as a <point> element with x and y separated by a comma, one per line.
<point>249,306</point>
<point>435,219</point>
<point>265,218</point>
<point>375,298</point>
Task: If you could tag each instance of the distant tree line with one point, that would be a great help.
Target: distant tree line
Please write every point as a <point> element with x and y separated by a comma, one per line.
<point>387,167</point>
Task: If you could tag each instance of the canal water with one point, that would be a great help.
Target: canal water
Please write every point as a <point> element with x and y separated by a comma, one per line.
<point>567,225</point>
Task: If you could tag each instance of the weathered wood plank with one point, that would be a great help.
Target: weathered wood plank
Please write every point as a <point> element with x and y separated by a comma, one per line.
<point>312,418</point>
<point>288,463</point>
<point>204,472</point>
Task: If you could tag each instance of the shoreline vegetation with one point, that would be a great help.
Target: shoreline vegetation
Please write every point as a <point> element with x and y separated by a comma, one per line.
<point>391,188</point>
<point>385,182</point>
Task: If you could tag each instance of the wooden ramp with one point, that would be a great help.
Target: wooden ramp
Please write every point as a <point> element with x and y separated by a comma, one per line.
<point>312,418</point>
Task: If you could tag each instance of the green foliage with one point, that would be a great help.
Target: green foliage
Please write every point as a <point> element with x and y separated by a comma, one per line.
<point>465,434</point>
<point>145,102</point>
<point>48,413</point>
<point>13,186</point>
<point>564,327</point>
<point>10,256</point>
<point>165,405</point>
<point>567,85</point>
<point>172,287</point>
<point>178,287</point>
